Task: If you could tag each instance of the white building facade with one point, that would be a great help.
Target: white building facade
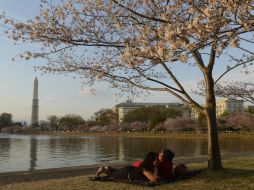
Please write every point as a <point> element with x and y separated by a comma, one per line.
<point>125,107</point>
<point>229,105</point>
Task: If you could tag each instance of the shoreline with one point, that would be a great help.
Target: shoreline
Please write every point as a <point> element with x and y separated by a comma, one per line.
<point>142,134</point>
<point>85,170</point>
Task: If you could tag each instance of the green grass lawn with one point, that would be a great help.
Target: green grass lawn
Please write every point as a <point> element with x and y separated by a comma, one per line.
<point>237,174</point>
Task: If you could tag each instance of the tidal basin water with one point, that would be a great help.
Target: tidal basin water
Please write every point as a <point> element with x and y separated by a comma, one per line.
<point>28,152</point>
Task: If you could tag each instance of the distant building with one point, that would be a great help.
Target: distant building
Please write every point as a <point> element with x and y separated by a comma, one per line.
<point>190,113</point>
<point>229,105</point>
<point>124,107</point>
<point>225,105</point>
<point>186,112</point>
<point>194,114</point>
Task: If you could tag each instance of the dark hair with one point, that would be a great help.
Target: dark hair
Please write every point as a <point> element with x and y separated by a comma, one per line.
<point>168,154</point>
<point>150,157</point>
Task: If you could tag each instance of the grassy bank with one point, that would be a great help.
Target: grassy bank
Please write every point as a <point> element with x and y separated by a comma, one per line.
<point>238,174</point>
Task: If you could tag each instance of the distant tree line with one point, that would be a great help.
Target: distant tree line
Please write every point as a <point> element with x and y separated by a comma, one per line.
<point>157,118</point>
<point>5,120</point>
<point>151,115</point>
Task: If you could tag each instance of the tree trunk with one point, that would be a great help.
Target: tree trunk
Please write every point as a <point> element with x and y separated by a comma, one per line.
<point>214,158</point>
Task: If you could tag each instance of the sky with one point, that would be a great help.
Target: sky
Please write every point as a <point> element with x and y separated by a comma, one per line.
<point>58,95</point>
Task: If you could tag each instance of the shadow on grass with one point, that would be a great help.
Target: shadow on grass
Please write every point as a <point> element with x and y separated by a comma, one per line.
<point>206,175</point>
<point>227,173</point>
<point>37,176</point>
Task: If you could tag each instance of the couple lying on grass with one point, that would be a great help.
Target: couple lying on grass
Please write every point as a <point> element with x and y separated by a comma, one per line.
<point>154,167</point>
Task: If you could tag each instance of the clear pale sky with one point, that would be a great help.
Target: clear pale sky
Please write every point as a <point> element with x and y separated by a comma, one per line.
<point>58,95</point>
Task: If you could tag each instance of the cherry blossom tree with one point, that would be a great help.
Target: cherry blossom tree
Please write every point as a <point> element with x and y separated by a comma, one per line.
<point>135,45</point>
<point>242,90</point>
<point>225,89</point>
<point>238,121</point>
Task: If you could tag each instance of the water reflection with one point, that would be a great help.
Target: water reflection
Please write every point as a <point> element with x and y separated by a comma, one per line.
<point>22,153</point>
<point>5,146</point>
<point>33,153</point>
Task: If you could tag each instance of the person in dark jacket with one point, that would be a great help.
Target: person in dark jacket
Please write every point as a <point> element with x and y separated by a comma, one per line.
<point>148,170</point>
<point>165,167</point>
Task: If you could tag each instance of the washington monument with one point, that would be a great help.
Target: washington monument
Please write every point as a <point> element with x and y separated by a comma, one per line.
<point>35,104</point>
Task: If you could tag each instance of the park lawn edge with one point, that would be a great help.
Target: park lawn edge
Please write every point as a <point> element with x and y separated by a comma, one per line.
<point>238,173</point>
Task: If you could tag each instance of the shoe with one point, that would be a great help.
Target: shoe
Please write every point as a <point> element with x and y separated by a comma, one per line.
<point>100,171</point>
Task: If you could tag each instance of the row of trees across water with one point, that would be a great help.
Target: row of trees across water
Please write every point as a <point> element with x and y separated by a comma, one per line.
<point>142,119</point>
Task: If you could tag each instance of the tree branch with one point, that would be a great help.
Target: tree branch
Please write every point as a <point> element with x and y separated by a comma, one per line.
<point>139,14</point>
<point>231,68</point>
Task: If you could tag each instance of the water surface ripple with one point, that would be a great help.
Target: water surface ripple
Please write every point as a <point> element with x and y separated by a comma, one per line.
<point>28,152</point>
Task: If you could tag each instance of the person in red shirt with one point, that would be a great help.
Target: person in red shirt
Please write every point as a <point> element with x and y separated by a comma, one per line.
<point>165,167</point>
<point>137,164</point>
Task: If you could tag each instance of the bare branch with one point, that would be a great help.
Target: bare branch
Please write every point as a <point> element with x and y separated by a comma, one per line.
<point>231,68</point>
